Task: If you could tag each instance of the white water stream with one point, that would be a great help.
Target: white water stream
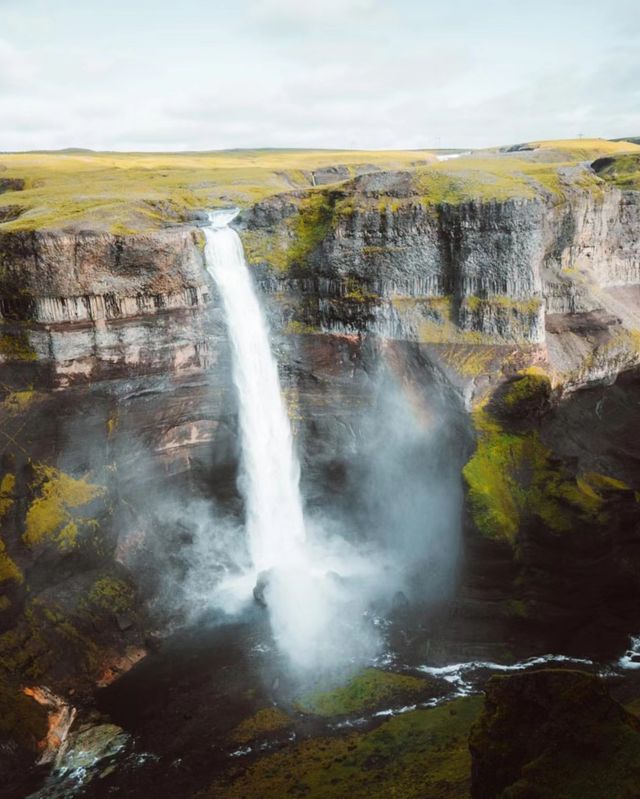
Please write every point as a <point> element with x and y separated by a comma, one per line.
<point>270,472</point>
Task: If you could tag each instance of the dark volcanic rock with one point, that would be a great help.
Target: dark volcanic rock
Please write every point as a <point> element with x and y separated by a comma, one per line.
<point>11,184</point>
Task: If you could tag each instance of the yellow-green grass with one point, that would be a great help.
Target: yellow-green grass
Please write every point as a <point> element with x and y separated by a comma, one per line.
<point>131,192</point>
<point>367,690</point>
<point>128,192</point>
<point>419,754</point>
<point>500,176</point>
<point>623,171</point>
<point>586,149</point>
<point>266,721</point>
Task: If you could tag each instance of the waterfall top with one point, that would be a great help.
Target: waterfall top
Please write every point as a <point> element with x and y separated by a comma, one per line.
<point>223,217</point>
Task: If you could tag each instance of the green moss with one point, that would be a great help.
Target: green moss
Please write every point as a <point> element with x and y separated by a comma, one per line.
<point>296,328</point>
<point>512,477</point>
<point>529,307</point>
<point>19,401</point>
<point>416,755</point>
<point>111,594</point>
<point>21,717</point>
<point>261,247</point>
<point>527,386</point>
<point>16,347</point>
<point>369,689</point>
<point>600,482</point>
<point>43,637</point>
<point>433,318</point>
<point>486,179</point>
<point>633,707</point>
<point>469,360</point>
<point>7,489</point>
<point>525,395</point>
<point>313,223</point>
<point>356,291</point>
<point>265,721</point>
<point>9,571</point>
<point>517,609</point>
<point>51,516</point>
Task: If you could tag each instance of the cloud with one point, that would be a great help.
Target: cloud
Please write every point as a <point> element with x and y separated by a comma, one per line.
<point>341,73</point>
<point>302,12</point>
<point>17,68</point>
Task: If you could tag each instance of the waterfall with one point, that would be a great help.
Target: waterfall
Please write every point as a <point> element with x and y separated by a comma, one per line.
<point>316,617</point>
<point>270,473</point>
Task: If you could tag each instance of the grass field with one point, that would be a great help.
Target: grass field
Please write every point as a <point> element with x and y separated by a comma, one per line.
<point>127,192</point>
<point>130,192</point>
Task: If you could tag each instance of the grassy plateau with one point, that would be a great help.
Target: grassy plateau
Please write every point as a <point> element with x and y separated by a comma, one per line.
<point>127,193</point>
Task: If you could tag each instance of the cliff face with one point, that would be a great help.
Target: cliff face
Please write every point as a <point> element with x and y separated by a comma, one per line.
<point>90,305</point>
<point>558,276</point>
<point>116,371</point>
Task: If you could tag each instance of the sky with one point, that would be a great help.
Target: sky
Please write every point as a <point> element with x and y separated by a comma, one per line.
<point>365,74</point>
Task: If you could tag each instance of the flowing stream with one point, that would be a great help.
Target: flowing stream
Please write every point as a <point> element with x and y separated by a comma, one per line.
<point>270,471</point>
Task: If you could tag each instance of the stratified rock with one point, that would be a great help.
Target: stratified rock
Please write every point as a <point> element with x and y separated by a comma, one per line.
<point>553,733</point>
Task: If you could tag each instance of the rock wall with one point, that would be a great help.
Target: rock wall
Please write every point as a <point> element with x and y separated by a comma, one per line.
<point>481,273</point>
<point>91,306</point>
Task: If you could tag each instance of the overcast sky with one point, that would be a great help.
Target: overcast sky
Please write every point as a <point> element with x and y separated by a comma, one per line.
<point>196,74</point>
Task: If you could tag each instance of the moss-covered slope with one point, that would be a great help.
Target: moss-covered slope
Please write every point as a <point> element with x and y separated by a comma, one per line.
<point>552,734</point>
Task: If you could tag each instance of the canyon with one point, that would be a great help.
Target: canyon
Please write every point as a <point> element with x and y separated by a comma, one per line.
<point>491,314</point>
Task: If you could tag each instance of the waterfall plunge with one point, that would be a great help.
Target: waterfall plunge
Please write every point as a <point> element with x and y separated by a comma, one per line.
<point>315,616</point>
<point>270,470</point>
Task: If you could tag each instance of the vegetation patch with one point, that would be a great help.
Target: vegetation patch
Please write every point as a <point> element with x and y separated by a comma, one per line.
<point>524,397</point>
<point>585,149</point>
<point>423,753</point>
<point>127,193</point>
<point>8,569</point>
<point>512,477</point>
<point>486,179</point>
<point>368,690</point>
<point>16,347</point>
<point>470,361</point>
<point>21,717</point>
<point>265,721</point>
<point>313,223</point>
<point>18,401</point>
<point>262,247</point>
<point>551,734</point>
<point>52,515</point>
<point>622,171</point>
<point>44,638</point>
<point>7,489</point>
<point>356,291</point>
<point>111,594</point>
<point>297,328</point>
